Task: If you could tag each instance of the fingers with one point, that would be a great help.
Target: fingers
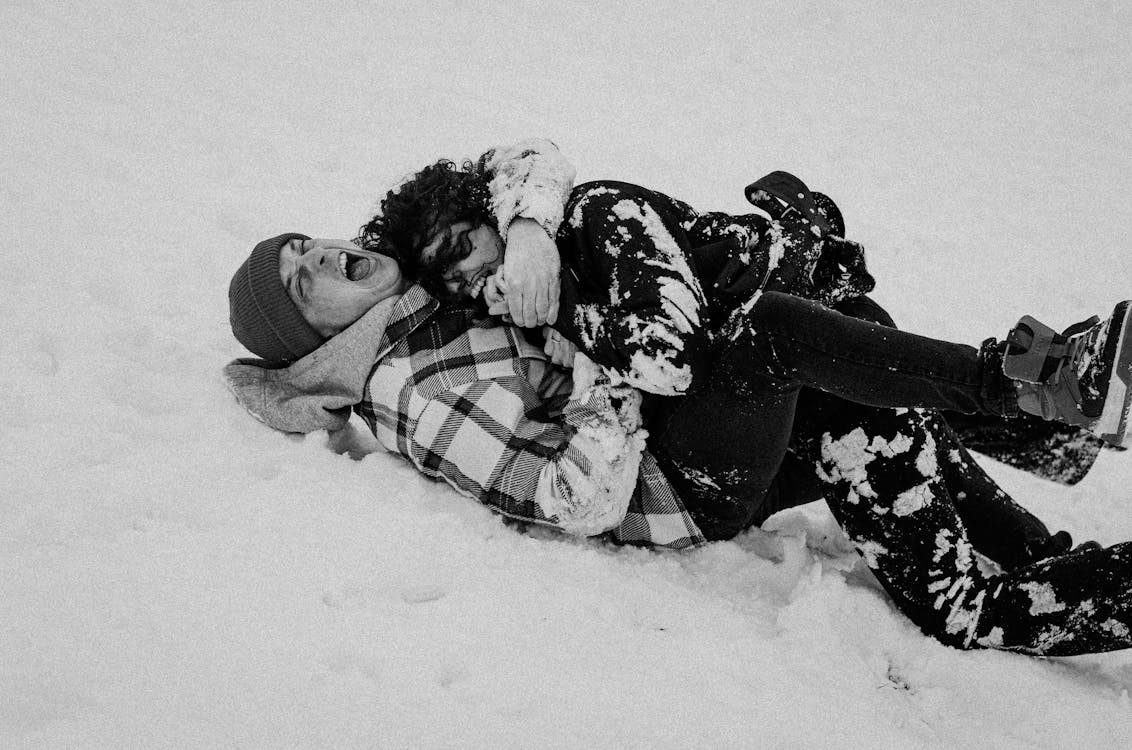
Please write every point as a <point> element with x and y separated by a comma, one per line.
<point>560,350</point>
<point>515,307</point>
<point>523,306</point>
<point>530,302</point>
<point>552,302</point>
<point>491,291</point>
<point>537,301</point>
<point>516,294</point>
<point>530,311</point>
<point>542,304</point>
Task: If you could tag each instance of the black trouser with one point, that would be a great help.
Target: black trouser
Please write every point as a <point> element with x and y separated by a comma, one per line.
<point>725,442</point>
<point>753,489</point>
<point>895,499</point>
<point>898,480</point>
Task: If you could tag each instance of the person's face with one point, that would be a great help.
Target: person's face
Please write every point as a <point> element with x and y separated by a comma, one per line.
<point>335,282</point>
<point>476,253</point>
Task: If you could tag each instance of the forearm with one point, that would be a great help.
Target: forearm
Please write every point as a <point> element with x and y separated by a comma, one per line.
<point>530,179</point>
<point>587,487</point>
<point>530,183</point>
<point>576,472</point>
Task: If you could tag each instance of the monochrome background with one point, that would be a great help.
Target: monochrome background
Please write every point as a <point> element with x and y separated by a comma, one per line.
<point>175,574</point>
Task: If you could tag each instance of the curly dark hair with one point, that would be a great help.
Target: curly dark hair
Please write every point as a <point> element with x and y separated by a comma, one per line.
<point>411,214</point>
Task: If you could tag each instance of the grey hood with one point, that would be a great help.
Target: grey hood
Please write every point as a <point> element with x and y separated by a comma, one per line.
<point>317,391</point>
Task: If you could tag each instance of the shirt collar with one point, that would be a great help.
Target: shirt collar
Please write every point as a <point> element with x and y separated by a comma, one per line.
<point>413,308</point>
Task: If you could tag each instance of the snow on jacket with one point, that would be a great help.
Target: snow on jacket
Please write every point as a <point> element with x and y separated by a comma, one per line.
<point>529,179</point>
<point>649,283</point>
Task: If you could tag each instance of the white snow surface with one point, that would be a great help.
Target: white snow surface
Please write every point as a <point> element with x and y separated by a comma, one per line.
<point>175,574</point>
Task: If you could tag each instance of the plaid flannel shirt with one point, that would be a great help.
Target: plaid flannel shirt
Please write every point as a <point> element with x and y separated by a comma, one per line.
<point>470,401</point>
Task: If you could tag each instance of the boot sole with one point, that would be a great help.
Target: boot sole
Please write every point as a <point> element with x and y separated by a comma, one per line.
<point>1112,424</point>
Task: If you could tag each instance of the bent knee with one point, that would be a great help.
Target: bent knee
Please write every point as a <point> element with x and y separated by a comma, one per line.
<point>775,306</point>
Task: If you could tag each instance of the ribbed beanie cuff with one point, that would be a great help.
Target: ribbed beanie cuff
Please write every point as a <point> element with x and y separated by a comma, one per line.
<point>262,315</point>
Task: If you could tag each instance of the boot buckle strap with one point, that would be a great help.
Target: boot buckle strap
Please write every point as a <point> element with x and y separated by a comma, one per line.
<point>1031,343</point>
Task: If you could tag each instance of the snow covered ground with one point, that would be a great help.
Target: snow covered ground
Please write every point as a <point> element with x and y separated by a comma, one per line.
<point>174,574</point>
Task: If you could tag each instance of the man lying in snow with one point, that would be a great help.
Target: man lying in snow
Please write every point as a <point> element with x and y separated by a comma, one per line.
<point>470,400</point>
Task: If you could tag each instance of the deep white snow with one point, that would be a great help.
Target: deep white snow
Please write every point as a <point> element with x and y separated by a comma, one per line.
<point>175,574</point>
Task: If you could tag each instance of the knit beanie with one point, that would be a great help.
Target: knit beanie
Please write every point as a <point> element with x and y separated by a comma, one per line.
<point>262,315</point>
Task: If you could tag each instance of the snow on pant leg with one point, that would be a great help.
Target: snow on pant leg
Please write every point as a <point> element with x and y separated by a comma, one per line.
<point>723,446</point>
<point>998,527</point>
<point>791,342</point>
<point>1059,452</point>
<point>888,493</point>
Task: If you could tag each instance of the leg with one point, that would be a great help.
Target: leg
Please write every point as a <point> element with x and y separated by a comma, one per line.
<point>721,451</point>
<point>1058,452</point>
<point>889,494</point>
<point>1051,450</point>
<point>724,448</point>
<point>785,342</point>
<point>998,527</point>
<point>1081,377</point>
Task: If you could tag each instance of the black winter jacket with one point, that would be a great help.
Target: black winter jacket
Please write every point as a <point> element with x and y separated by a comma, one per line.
<point>650,285</point>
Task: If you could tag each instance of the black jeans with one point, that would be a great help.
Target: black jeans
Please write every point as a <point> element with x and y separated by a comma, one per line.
<point>894,492</point>
<point>724,443</point>
<point>897,480</point>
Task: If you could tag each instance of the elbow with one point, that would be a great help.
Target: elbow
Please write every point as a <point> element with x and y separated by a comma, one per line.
<point>594,507</point>
<point>591,523</point>
<point>595,500</point>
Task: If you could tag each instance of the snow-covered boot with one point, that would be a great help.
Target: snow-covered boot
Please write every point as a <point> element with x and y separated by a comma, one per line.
<point>1082,376</point>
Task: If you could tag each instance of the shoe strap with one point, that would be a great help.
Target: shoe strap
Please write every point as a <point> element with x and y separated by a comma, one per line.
<point>1058,401</point>
<point>1081,327</point>
<point>1030,344</point>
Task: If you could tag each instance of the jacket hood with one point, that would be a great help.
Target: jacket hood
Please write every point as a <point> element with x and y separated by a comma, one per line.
<point>317,391</point>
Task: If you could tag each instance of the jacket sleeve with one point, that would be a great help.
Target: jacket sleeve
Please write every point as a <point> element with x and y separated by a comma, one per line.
<point>530,179</point>
<point>636,304</point>
<point>494,441</point>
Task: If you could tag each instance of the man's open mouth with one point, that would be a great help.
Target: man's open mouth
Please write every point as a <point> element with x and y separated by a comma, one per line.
<point>355,267</point>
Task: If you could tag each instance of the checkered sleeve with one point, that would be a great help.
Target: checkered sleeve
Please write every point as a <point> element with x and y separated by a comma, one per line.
<point>490,440</point>
<point>530,179</point>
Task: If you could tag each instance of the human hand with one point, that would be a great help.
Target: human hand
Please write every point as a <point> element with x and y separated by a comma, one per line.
<point>531,265</point>
<point>495,295</point>
<point>560,349</point>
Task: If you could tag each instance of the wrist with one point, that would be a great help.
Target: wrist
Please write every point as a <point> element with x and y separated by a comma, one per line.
<point>524,225</point>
